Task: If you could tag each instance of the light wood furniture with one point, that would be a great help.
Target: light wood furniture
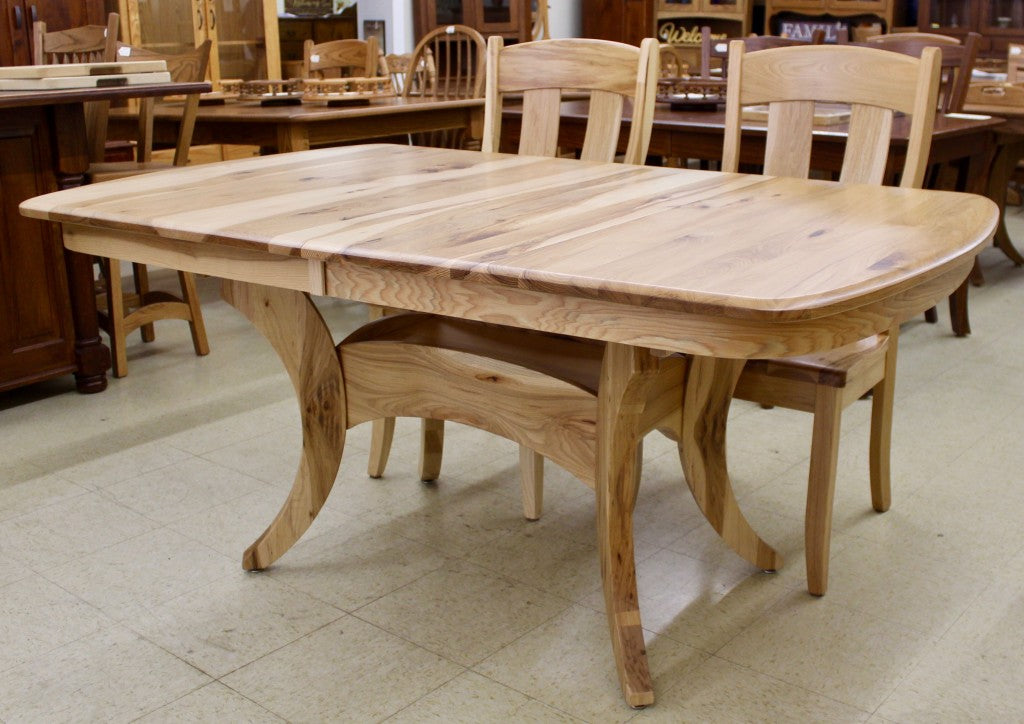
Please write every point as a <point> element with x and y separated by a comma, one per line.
<point>511,19</point>
<point>673,63</point>
<point>397,66</point>
<point>541,71</point>
<point>957,61</point>
<point>122,313</point>
<point>283,129</point>
<point>84,44</point>
<point>789,81</point>
<point>536,244</point>
<point>540,29</point>
<point>715,53</point>
<point>295,30</point>
<point>244,36</point>
<point>340,58</point>
<point>965,142</point>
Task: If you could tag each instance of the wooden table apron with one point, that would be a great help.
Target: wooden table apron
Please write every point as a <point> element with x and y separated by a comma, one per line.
<point>299,127</point>
<point>539,243</point>
<point>70,161</point>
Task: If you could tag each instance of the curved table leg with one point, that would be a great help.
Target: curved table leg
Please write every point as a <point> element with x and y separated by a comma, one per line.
<point>382,433</point>
<point>626,374</point>
<point>709,386</point>
<point>295,329</point>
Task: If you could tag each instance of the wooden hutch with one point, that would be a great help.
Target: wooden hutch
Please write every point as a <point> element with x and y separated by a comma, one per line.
<point>511,19</point>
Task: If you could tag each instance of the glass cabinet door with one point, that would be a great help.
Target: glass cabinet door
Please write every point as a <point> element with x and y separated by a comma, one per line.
<point>449,12</point>
<point>163,27</point>
<point>1003,15</point>
<point>244,47</point>
<point>949,14</point>
<point>496,16</point>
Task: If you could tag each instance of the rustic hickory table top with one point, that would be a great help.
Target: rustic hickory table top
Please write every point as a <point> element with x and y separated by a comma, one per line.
<point>721,266</point>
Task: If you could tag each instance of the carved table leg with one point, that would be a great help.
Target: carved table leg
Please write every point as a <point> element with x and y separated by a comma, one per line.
<point>626,374</point>
<point>295,329</point>
<point>709,386</point>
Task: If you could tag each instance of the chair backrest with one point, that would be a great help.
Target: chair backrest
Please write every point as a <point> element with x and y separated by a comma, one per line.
<point>673,63</point>
<point>184,68</point>
<point>875,84</point>
<point>957,60</point>
<point>1014,62</point>
<point>451,63</point>
<point>712,50</point>
<point>340,58</point>
<point>540,70</point>
<point>84,44</point>
<point>397,66</point>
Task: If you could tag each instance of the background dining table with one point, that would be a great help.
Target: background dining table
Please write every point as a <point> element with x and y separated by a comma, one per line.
<point>300,126</point>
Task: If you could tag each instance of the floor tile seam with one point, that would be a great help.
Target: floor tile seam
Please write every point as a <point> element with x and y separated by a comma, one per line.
<point>568,604</point>
<point>172,701</point>
<point>140,473</point>
<point>44,506</point>
<point>867,714</point>
<point>529,696</point>
<point>277,429</point>
<point>923,556</point>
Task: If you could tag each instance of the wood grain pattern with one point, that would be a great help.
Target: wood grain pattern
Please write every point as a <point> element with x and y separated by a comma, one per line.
<point>555,226</point>
<point>294,327</point>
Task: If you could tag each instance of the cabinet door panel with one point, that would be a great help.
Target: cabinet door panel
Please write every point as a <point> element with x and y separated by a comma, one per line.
<point>60,14</point>
<point>36,338</point>
<point>14,33</point>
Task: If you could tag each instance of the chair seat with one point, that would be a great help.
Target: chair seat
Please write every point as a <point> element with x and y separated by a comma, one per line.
<point>832,368</point>
<point>110,170</point>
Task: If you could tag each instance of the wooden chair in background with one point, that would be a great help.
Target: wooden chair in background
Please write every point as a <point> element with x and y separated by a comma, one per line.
<point>1014,62</point>
<point>539,70</point>
<point>715,53</point>
<point>121,313</point>
<point>340,58</point>
<point>876,85</point>
<point>957,61</point>
<point>540,29</point>
<point>397,66</point>
<point>84,44</point>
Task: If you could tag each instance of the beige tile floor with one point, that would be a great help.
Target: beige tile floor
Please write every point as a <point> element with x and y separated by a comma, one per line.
<point>123,517</point>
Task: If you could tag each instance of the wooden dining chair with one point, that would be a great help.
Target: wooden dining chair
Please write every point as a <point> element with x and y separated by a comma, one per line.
<point>122,313</point>
<point>877,85</point>
<point>340,58</point>
<point>957,61</point>
<point>715,52</point>
<point>1014,62</point>
<point>397,66</point>
<point>540,71</point>
<point>84,44</point>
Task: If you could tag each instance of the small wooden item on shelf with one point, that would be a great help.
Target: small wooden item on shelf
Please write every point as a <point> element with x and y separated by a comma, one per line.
<point>691,94</point>
<point>347,91</point>
<point>267,92</point>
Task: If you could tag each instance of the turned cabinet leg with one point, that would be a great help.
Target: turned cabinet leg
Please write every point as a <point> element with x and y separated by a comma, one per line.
<point>708,393</point>
<point>626,374</point>
<point>294,327</point>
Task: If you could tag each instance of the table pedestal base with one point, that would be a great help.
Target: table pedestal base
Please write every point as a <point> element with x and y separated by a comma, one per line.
<point>367,379</point>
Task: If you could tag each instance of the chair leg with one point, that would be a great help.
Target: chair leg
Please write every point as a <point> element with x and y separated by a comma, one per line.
<point>431,448</point>
<point>531,472</point>
<point>196,324</point>
<point>141,276</point>
<point>821,485</point>
<point>383,431</point>
<point>115,313</point>
<point>931,316</point>
<point>881,429</point>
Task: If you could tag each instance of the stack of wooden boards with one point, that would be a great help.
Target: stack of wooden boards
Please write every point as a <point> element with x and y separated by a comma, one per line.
<point>83,75</point>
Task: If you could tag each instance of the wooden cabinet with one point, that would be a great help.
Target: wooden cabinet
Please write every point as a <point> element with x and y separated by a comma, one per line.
<point>36,333</point>
<point>1000,22</point>
<point>671,21</point>
<point>810,14</point>
<point>244,34</point>
<point>18,16</point>
<point>510,19</point>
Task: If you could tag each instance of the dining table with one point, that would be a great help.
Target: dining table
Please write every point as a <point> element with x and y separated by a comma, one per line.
<point>294,125</point>
<point>963,142</point>
<point>651,262</point>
